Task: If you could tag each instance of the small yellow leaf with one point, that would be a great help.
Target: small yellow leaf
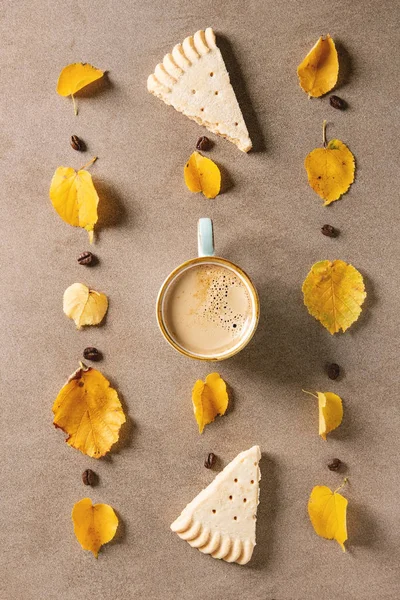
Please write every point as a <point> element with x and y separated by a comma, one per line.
<point>76,76</point>
<point>327,512</point>
<point>318,72</point>
<point>202,175</point>
<point>89,411</point>
<point>84,306</point>
<point>94,524</point>
<point>333,293</point>
<point>330,410</point>
<point>210,399</point>
<point>74,197</point>
<point>330,170</point>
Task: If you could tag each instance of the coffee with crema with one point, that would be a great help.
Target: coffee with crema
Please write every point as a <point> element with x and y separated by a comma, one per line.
<point>207,310</point>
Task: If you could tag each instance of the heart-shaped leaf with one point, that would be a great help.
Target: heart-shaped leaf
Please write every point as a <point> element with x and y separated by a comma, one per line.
<point>74,197</point>
<point>94,524</point>
<point>330,170</point>
<point>327,512</point>
<point>83,305</point>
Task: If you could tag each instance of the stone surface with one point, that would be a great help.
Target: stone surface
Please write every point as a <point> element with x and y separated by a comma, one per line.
<point>269,223</point>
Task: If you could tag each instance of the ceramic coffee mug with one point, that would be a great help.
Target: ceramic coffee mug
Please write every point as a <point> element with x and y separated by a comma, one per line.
<point>207,308</point>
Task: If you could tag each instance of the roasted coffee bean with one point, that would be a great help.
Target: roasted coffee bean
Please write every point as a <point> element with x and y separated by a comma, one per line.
<point>203,143</point>
<point>333,371</point>
<point>337,102</point>
<point>210,461</point>
<point>329,231</point>
<point>89,477</point>
<point>91,353</point>
<point>77,143</point>
<point>335,464</point>
<point>86,258</point>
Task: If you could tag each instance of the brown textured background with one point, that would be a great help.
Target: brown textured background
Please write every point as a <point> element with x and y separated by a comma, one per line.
<point>268,223</point>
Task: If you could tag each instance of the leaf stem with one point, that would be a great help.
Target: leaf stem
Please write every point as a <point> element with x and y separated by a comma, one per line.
<point>311,394</point>
<point>83,366</point>
<point>75,106</point>
<point>89,164</point>
<point>345,480</point>
<point>324,133</point>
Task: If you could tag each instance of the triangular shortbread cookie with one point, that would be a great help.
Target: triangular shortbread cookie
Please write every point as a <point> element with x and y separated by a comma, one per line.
<point>194,80</point>
<point>221,520</point>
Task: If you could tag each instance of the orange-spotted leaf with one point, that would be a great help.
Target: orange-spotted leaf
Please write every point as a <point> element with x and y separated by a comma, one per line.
<point>202,175</point>
<point>94,524</point>
<point>89,411</point>
<point>210,399</point>
<point>330,410</point>
<point>327,512</point>
<point>76,76</point>
<point>83,305</point>
<point>330,170</point>
<point>74,197</point>
<point>318,72</point>
<point>334,292</point>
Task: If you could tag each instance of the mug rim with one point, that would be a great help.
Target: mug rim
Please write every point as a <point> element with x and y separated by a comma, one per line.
<point>172,275</point>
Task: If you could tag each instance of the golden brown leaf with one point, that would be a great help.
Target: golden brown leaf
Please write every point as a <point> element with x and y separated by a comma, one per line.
<point>94,524</point>
<point>210,399</point>
<point>318,72</point>
<point>330,170</point>
<point>333,293</point>
<point>89,411</point>
<point>202,175</point>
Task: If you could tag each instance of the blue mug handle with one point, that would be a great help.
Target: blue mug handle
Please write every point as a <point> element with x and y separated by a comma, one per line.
<point>205,237</point>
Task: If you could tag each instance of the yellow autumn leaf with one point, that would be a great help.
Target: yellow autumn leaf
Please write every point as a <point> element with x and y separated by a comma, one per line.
<point>76,76</point>
<point>74,197</point>
<point>318,72</point>
<point>334,293</point>
<point>327,512</point>
<point>89,411</point>
<point>330,170</point>
<point>210,399</point>
<point>94,524</point>
<point>330,409</point>
<point>202,175</point>
<point>83,305</point>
